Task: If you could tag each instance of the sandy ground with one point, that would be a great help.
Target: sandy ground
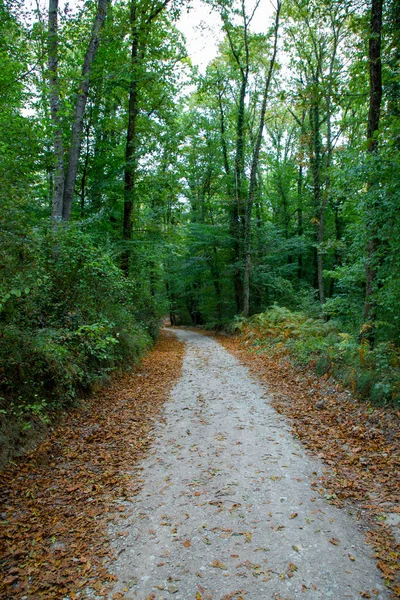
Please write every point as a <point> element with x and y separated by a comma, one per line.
<point>230,505</point>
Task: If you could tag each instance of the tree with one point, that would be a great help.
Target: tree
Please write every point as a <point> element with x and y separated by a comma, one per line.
<point>64,185</point>
<point>375,99</point>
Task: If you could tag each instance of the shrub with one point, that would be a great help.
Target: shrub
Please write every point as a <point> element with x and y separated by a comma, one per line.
<point>372,372</point>
<point>67,318</point>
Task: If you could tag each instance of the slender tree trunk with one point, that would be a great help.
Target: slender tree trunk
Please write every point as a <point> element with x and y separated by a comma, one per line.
<point>215,274</point>
<point>85,166</point>
<point>239,198</point>
<point>58,178</point>
<point>234,213</point>
<point>375,99</point>
<point>325,195</point>
<point>317,194</point>
<point>77,125</point>
<point>253,173</point>
<point>138,29</point>
<point>300,226</point>
<point>130,148</point>
<point>238,210</point>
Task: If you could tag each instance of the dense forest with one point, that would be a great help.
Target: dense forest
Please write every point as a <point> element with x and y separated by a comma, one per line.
<point>263,193</point>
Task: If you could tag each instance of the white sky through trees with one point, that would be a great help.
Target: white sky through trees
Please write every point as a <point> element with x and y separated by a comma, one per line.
<point>200,25</point>
<point>202,28</point>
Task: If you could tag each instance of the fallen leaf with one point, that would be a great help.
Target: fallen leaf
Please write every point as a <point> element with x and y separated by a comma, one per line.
<point>217,564</point>
<point>334,541</point>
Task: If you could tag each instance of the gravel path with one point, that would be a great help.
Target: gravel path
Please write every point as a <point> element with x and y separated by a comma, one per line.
<point>230,508</point>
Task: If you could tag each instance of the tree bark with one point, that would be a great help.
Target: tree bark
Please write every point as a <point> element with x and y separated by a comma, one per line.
<point>138,30</point>
<point>77,125</point>
<point>253,172</point>
<point>130,150</point>
<point>239,199</point>
<point>375,99</point>
<point>58,178</point>
<point>234,213</point>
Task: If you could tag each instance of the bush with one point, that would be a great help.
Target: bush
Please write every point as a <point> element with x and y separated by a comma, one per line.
<point>67,318</point>
<point>372,372</point>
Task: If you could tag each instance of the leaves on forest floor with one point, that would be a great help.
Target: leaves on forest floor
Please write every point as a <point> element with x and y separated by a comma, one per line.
<point>358,441</point>
<point>57,502</point>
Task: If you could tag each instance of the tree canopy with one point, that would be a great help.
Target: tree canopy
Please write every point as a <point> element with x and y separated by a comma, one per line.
<point>133,185</point>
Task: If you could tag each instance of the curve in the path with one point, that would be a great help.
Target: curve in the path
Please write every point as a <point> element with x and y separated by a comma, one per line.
<point>230,505</point>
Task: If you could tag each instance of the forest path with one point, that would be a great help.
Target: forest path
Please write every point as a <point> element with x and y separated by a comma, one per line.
<point>228,507</point>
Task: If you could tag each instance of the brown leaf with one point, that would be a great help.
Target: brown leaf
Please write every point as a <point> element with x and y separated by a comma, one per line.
<point>334,541</point>
<point>217,564</point>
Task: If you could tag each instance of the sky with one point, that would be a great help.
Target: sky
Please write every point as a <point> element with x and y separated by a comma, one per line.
<point>201,26</point>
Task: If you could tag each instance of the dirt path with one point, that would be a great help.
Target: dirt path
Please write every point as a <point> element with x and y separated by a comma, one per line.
<point>229,506</point>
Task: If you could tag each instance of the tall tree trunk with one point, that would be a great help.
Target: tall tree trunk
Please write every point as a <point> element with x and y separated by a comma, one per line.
<point>317,195</point>
<point>239,200</point>
<point>86,165</point>
<point>77,125</point>
<point>253,173</point>
<point>234,213</point>
<point>216,279</point>
<point>375,99</point>
<point>138,30</point>
<point>130,148</point>
<point>239,196</point>
<point>58,179</point>
<point>300,226</point>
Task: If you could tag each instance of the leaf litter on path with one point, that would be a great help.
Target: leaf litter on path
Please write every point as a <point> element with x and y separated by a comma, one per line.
<point>57,502</point>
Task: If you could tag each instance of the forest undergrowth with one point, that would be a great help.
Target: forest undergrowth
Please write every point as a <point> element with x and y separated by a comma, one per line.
<point>357,440</point>
<point>324,345</point>
<point>57,501</point>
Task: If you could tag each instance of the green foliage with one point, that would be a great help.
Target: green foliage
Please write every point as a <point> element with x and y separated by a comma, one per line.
<point>67,318</point>
<point>67,314</point>
<point>372,372</point>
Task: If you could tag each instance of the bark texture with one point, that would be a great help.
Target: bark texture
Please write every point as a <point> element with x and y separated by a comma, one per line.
<point>58,179</point>
<point>375,100</point>
<point>254,167</point>
<point>77,125</point>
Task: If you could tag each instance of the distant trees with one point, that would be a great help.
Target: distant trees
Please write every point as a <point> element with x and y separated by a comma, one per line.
<point>316,220</point>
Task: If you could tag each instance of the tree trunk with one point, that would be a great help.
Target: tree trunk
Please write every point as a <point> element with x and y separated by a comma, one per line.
<point>375,99</point>
<point>58,178</point>
<point>317,194</point>
<point>300,226</point>
<point>130,149</point>
<point>234,213</point>
<point>77,125</point>
<point>86,166</point>
<point>138,29</point>
<point>253,173</point>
